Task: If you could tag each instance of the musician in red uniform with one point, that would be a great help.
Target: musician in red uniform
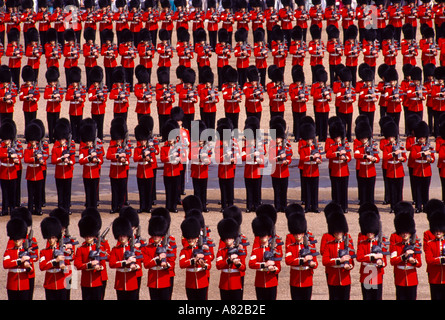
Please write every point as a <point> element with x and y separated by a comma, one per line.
<point>300,256</point>
<point>226,155</point>
<point>316,13</point>
<point>423,156</point>
<point>9,157</point>
<point>373,262</point>
<point>316,49</point>
<point>97,95</point>
<point>429,47</point>
<point>405,254</point>
<point>110,52</point>
<point>231,95</point>
<point>76,95</point>
<point>335,49</point>
<point>14,52</point>
<point>297,47</point>
<point>321,95</point>
<point>54,261</point>
<point>19,268</point>
<point>389,47</point>
<point>280,157</point>
<point>159,256</point>
<point>165,96</point>
<point>63,157</point>
<point>242,52</point>
<point>338,257</point>
<point>433,249</point>
<point>339,156</point>
<point>213,19</point>
<point>144,155</point>
<point>366,156</point>
<point>393,95</point>
<point>91,157</point>
<point>223,51</point>
<point>230,260</point>
<point>54,96</point>
<point>125,260</point>
<point>120,93</point>
<point>254,93</point>
<point>265,258</point>
<point>91,52</point>
<point>347,97</point>
<point>29,95</point>
<point>34,51</point>
<point>119,153</point>
<point>91,257</point>
<point>228,19</point>
<point>128,53</point>
<point>71,52</point>
<point>195,259</point>
<point>394,155</point>
<point>53,50</point>
<point>299,95</point>
<point>43,17</point>
<point>143,92</point>
<point>164,50</point>
<point>208,98</point>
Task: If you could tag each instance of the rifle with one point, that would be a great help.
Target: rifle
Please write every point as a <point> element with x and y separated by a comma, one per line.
<point>165,247</point>
<point>318,149</point>
<point>138,239</point>
<point>397,146</point>
<point>236,247</point>
<point>271,255</point>
<point>371,147</point>
<point>96,148</point>
<point>96,254</point>
<point>412,245</point>
<point>306,250</point>
<point>346,251</point>
<point>29,247</point>
<point>349,92</point>
<point>343,146</point>
<point>427,147</point>
<point>378,248</point>
<point>70,149</point>
<point>202,241</point>
<point>132,252</point>
<point>68,239</point>
<point>124,148</point>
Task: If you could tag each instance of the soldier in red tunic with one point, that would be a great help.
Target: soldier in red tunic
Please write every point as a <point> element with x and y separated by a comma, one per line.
<point>195,258</point>
<point>230,260</point>
<point>338,256</point>
<point>405,252</point>
<point>124,258</point>
<point>300,255</point>
<point>434,256</point>
<point>265,257</point>
<point>29,94</point>
<point>371,253</point>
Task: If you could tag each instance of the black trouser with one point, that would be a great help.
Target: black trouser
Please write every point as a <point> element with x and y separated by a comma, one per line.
<point>395,116</point>
<point>160,294</point>
<point>19,295</point>
<point>35,189</point>
<point>187,122</point>
<point>109,78</point>
<point>172,190</point>
<point>220,78</point>
<point>52,118</point>
<point>422,185</point>
<point>302,187</point>
<point>154,37</point>
<point>43,38</point>
<point>213,37</point>
<point>145,188</point>
<point>18,189</point>
<point>254,114</point>
<point>386,187</point>
<point>340,191</point>
<point>91,293</point>
<point>6,115</point>
<point>253,193</point>
<point>366,188</point>
<point>266,293</point>
<point>311,192</point>
<point>395,190</point>
<point>127,295</point>
<point>234,117</point>
<point>437,291</point>
<point>197,294</point>
<point>64,193</point>
<point>8,194</point>
<point>430,113</point>
<point>118,193</point>
<point>153,187</point>
<point>182,182</point>
<point>372,293</point>
<point>163,118</point>
<point>200,191</point>
<point>129,72</point>
<point>406,293</point>
<point>99,119</point>
<point>15,76</point>
<point>346,118</point>
<point>436,115</point>
<point>442,182</point>
<point>411,181</point>
<point>87,73</point>
<point>75,122</point>
<point>280,186</point>
<point>226,187</point>
<point>354,74</point>
<point>370,116</point>
<point>301,293</point>
<point>339,292</point>
<point>397,34</point>
<point>321,125</point>
<point>242,76</point>
<point>29,116</point>
<point>262,73</point>
<point>209,119</point>
<point>231,294</point>
<point>276,114</point>
<point>91,186</point>
<point>61,294</point>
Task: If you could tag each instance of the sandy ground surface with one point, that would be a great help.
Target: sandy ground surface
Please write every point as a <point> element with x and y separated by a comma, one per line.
<point>316,222</point>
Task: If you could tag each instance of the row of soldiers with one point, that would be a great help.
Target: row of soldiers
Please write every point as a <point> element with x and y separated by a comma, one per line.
<point>62,254</point>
